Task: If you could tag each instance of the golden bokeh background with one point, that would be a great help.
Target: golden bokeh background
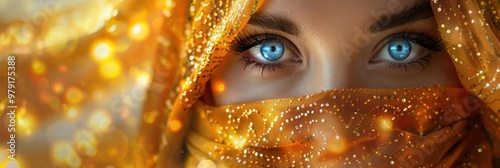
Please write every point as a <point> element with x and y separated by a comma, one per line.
<point>82,71</point>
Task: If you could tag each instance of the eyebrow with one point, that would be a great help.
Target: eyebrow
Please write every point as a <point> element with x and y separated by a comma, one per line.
<point>269,21</point>
<point>420,11</point>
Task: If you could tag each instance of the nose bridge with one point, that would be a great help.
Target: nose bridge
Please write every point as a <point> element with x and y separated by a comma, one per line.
<point>335,70</point>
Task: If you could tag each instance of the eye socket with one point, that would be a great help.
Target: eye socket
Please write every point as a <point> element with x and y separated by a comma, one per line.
<point>404,53</point>
<point>266,52</point>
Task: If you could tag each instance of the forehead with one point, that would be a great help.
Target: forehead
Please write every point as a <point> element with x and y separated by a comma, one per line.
<point>327,19</point>
<point>334,10</point>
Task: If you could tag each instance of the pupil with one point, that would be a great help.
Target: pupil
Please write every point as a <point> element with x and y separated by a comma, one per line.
<point>400,47</point>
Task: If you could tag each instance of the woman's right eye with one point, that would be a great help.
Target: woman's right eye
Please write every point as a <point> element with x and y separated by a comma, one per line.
<point>267,52</point>
<point>270,52</point>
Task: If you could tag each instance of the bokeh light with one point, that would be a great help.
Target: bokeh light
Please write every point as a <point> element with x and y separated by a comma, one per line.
<point>102,50</point>
<point>110,69</point>
<point>38,67</point>
<point>64,153</point>
<point>7,162</point>
<point>238,142</point>
<point>55,41</point>
<point>175,125</point>
<point>74,95</point>
<point>86,142</point>
<point>72,112</point>
<point>112,28</point>
<point>78,103</point>
<point>58,87</point>
<point>116,27</point>
<point>385,124</point>
<point>25,124</point>
<point>63,68</point>
<point>100,121</point>
<point>139,31</point>
<point>206,164</point>
<point>221,87</point>
<point>150,117</point>
<point>12,164</point>
<point>143,79</point>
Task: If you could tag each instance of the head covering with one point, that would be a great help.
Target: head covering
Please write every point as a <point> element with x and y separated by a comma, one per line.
<point>422,126</point>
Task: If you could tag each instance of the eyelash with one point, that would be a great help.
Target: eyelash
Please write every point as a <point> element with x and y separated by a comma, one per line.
<point>416,65</point>
<point>433,43</point>
<point>245,40</point>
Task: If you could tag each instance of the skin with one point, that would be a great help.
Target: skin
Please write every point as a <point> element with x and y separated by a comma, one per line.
<point>326,28</point>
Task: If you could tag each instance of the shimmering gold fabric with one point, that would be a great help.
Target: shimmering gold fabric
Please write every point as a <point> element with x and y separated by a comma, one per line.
<point>209,26</point>
<point>471,29</point>
<point>440,126</point>
<point>350,127</point>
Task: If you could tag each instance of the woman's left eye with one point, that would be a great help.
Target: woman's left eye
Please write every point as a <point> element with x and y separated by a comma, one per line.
<point>406,52</point>
<point>401,51</point>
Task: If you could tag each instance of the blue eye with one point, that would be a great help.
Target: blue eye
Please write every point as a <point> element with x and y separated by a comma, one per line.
<point>399,49</point>
<point>265,52</point>
<point>272,51</point>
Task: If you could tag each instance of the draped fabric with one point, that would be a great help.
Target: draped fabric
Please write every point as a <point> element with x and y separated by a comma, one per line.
<point>410,127</point>
<point>471,29</point>
<point>422,126</point>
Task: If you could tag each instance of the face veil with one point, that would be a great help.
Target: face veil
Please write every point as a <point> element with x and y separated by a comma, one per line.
<point>422,126</point>
<point>408,127</point>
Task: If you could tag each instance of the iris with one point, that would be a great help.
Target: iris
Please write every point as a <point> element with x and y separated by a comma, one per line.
<point>272,51</point>
<point>400,49</point>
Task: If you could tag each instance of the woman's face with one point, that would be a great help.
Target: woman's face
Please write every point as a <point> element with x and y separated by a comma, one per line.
<point>292,48</point>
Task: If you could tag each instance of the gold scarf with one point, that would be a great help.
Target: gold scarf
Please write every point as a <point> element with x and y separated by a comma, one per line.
<point>410,127</point>
<point>446,126</point>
